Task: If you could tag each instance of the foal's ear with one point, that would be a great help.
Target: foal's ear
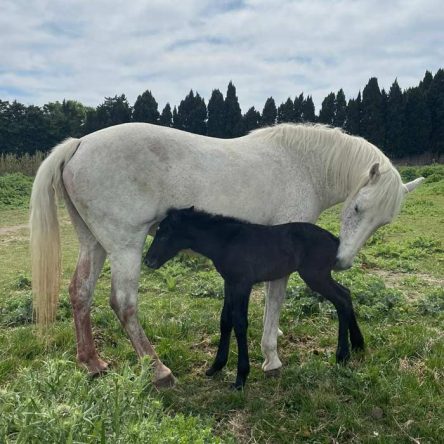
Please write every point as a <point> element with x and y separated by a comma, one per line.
<point>374,173</point>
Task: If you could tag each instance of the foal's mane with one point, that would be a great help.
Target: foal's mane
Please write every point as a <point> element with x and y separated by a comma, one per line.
<point>346,160</point>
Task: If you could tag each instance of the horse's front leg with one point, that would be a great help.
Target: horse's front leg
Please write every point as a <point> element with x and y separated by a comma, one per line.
<point>125,271</point>
<point>226,325</point>
<point>275,294</point>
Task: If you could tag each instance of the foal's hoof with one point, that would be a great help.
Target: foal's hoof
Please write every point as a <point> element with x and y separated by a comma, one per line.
<point>165,382</point>
<point>237,387</point>
<point>212,371</point>
<point>273,373</point>
<point>342,358</point>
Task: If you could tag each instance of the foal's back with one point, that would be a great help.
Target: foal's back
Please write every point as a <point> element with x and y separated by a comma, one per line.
<point>264,253</point>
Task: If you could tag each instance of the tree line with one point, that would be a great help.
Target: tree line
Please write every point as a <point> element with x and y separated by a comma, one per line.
<point>401,123</point>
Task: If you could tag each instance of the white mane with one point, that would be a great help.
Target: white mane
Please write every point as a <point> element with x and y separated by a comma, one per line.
<point>346,159</point>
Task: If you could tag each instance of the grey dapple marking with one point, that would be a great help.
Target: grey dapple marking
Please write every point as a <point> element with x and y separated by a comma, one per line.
<point>119,181</point>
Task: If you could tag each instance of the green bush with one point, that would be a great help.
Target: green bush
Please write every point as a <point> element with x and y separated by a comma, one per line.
<point>15,190</point>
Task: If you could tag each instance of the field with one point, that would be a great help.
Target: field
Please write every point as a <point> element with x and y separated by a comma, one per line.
<point>393,393</point>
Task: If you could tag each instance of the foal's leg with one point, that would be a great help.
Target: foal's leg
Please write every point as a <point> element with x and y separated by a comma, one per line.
<point>324,285</point>
<point>240,296</point>
<point>226,325</point>
<point>356,338</point>
<point>125,271</point>
<point>89,265</point>
<point>275,297</point>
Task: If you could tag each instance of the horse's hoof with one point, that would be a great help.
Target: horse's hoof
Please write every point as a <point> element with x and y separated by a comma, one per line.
<point>273,373</point>
<point>100,369</point>
<point>165,382</point>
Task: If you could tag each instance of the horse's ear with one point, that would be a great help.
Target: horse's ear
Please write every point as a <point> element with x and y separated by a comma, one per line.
<point>410,186</point>
<point>374,174</point>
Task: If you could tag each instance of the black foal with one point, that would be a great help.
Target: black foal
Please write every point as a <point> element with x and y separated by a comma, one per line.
<point>245,254</point>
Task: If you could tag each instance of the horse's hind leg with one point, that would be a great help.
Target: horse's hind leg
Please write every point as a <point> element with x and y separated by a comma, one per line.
<point>89,265</point>
<point>356,338</point>
<point>125,271</point>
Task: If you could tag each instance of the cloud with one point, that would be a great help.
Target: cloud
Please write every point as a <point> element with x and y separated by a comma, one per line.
<point>88,50</point>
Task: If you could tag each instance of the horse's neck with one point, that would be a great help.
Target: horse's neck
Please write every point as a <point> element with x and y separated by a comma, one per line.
<point>209,241</point>
<point>334,178</point>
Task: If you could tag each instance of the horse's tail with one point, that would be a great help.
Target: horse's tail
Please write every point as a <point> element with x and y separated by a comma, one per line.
<point>45,237</point>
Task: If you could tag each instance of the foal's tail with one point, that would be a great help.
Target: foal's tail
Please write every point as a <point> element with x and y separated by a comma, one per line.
<point>45,237</point>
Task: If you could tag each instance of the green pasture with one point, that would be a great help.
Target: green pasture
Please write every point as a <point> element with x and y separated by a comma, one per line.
<point>393,393</point>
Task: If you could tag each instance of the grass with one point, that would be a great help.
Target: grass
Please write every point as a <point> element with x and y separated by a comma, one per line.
<point>391,394</point>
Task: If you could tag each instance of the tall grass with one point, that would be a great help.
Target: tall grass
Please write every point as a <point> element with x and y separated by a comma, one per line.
<point>26,164</point>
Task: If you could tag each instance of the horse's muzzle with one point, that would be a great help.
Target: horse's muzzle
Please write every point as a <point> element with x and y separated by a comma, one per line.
<point>341,265</point>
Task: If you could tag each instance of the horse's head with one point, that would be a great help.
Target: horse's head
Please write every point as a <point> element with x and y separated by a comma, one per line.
<point>171,237</point>
<point>377,201</point>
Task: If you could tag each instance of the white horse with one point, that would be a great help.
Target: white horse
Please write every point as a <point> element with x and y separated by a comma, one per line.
<point>121,180</point>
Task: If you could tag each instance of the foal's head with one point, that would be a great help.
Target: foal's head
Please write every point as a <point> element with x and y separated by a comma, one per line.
<point>172,235</point>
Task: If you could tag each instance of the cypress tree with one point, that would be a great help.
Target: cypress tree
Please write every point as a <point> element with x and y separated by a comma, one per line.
<point>435,101</point>
<point>216,115</point>
<point>166,118</point>
<point>340,109</point>
<point>285,112</point>
<point>298,108</point>
<point>417,123</point>
<point>269,113</point>
<point>394,121</point>
<point>354,116</point>
<point>146,109</point>
<point>192,114</point>
<point>372,124</point>
<point>251,119</point>
<point>308,110</point>
<point>233,114</point>
<point>176,119</point>
<point>327,112</point>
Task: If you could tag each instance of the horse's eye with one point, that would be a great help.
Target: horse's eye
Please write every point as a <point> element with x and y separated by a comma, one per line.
<point>356,209</point>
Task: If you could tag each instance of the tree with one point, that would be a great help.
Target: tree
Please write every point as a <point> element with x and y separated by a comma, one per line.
<point>113,111</point>
<point>372,123</point>
<point>417,123</point>
<point>308,110</point>
<point>269,113</point>
<point>354,116</point>
<point>166,118</point>
<point>285,112</point>
<point>192,114</point>
<point>298,105</point>
<point>394,121</point>
<point>233,114</point>
<point>435,101</point>
<point>251,119</point>
<point>216,115</point>
<point>340,109</point>
<point>146,109</point>
<point>327,112</point>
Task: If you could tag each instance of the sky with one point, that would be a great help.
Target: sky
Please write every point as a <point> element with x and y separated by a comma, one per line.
<point>87,50</point>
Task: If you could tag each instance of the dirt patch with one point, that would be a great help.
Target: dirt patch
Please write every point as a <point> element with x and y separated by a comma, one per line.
<point>13,229</point>
<point>394,279</point>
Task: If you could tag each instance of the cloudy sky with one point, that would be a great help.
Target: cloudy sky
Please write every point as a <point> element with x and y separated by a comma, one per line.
<point>89,49</point>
